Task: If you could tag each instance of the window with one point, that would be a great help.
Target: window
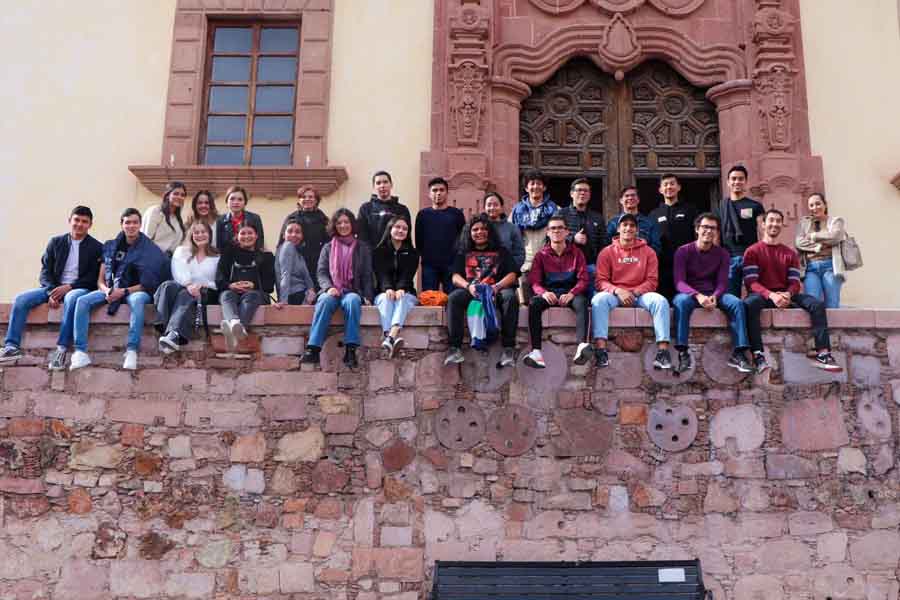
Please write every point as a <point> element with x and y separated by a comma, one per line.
<point>250,94</point>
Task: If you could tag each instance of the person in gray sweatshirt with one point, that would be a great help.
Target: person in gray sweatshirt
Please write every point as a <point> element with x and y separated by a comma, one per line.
<point>293,282</point>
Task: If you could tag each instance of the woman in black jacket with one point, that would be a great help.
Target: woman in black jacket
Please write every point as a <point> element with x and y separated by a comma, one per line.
<point>229,225</point>
<point>314,224</point>
<point>396,263</point>
<point>246,278</point>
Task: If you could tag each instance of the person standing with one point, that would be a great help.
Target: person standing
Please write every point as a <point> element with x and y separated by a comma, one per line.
<point>396,263</point>
<point>203,210</point>
<point>741,218</point>
<point>675,221</point>
<point>647,229</point>
<point>587,229</point>
<point>818,240</point>
<point>229,224</point>
<point>70,268</point>
<point>437,232</point>
<point>314,224</point>
<point>162,223</point>
<point>381,208</point>
<point>531,215</point>
<point>558,277</point>
<point>772,275</point>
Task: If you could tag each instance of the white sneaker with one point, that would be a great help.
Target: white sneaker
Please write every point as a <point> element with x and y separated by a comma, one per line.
<point>238,331</point>
<point>230,343</point>
<point>535,359</point>
<point>79,360</point>
<point>582,353</point>
<point>130,362</point>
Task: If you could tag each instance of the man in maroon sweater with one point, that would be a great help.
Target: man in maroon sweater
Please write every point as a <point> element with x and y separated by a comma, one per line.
<point>772,274</point>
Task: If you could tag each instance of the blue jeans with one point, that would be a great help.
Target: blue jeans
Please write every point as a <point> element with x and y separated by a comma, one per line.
<point>603,303</point>
<point>432,277</point>
<point>393,312</point>
<point>25,301</point>
<point>728,304</point>
<point>821,283</point>
<point>736,276</point>
<point>85,304</point>
<point>351,305</point>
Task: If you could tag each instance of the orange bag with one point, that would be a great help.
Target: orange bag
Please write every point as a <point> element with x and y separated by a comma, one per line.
<point>433,298</point>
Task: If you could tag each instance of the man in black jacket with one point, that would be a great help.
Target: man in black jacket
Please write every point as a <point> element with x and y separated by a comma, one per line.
<point>675,221</point>
<point>587,230</point>
<point>70,268</point>
<point>382,207</point>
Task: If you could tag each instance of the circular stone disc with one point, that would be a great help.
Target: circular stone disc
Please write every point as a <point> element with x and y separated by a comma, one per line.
<point>459,425</point>
<point>480,372</point>
<point>873,415</point>
<point>548,380</point>
<point>672,428</point>
<point>512,430</point>
<point>666,376</point>
<point>716,353</point>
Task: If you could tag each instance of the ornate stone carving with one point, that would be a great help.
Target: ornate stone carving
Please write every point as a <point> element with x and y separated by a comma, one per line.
<point>773,74</point>
<point>619,43</point>
<point>776,88</point>
<point>467,91</point>
<point>673,8</point>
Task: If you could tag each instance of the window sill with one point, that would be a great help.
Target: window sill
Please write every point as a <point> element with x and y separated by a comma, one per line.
<point>273,182</point>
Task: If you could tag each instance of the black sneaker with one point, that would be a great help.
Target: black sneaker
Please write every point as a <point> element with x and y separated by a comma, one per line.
<point>759,362</point>
<point>738,361</point>
<point>824,360</point>
<point>310,356</point>
<point>10,354</point>
<point>601,358</point>
<point>685,362</point>
<point>350,356</point>
<point>663,360</point>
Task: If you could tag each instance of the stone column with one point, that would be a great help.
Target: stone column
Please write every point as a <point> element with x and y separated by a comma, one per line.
<point>506,103</point>
<point>732,100</point>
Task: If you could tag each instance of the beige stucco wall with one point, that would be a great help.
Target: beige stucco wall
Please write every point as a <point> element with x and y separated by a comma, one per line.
<point>84,97</point>
<point>852,52</point>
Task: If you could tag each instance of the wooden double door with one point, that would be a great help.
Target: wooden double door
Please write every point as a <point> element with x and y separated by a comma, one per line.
<point>583,123</point>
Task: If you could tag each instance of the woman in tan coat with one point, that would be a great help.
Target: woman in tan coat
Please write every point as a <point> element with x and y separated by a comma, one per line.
<point>818,241</point>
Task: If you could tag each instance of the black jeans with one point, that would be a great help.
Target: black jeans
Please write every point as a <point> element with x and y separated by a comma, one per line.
<point>176,309</point>
<point>507,306</point>
<point>241,306</point>
<point>537,307</point>
<point>816,309</point>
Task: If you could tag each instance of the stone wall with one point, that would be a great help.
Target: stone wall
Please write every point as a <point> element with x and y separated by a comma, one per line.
<point>210,477</point>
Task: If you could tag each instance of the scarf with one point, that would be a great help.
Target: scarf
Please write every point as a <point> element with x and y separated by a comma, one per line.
<point>340,262</point>
<point>731,227</point>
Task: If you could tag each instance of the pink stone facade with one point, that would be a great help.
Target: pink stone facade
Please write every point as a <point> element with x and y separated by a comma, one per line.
<point>490,54</point>
<point>206,477</point>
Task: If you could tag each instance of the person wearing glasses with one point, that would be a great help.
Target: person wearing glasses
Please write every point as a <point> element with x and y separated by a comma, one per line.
<point>701,280</point>
<point>587,230</point>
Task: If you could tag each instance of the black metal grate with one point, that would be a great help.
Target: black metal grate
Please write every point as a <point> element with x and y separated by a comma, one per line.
<point>635,580</point>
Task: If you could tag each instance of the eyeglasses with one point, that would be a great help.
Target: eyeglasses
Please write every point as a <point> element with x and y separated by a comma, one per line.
<point>582,191</point>
<point>709,227</point>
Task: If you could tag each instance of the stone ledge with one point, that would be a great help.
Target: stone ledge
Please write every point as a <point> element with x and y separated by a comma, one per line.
<point>426,316</point>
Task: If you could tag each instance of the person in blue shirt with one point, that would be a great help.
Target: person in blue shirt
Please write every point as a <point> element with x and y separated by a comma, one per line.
<point>437,231</point>
<point>647,229</point>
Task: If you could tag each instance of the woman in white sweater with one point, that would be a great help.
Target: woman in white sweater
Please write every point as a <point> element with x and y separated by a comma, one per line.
<point>193,287</point>
<point>162,223</point>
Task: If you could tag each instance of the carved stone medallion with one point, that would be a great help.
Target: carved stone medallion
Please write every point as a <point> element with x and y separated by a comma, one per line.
<point>459,425</point>
<point>511,430</point>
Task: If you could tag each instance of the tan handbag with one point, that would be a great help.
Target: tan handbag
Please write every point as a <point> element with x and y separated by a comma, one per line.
<point>851,254</point>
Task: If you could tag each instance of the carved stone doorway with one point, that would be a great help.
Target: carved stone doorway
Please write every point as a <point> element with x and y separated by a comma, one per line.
<point>583,123</point>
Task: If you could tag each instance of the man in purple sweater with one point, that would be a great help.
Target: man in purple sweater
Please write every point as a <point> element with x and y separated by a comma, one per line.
<point>701,279</point>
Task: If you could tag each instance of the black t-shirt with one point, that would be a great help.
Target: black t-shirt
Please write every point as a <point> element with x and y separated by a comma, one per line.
<point>485,266</point>
<point>747,211</point>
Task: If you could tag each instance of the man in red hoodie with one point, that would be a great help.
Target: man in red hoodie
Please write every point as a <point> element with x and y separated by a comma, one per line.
<point>558,277</point>
<point>627,275</point>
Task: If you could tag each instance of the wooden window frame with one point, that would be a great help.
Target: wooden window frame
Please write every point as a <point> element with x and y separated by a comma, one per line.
<point>184,133</point>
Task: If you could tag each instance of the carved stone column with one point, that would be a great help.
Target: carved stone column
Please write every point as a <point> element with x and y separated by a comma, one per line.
<point>506,103</point>
<point>733,105</point>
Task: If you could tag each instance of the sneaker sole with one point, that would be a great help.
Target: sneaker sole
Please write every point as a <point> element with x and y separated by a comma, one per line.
<point>10,359</point>
<point>739,368</point>
<point>830,368</point>
<point>533,363</point>
<point>660,367</point>
<point>395,348</point>
<point>454,361</point>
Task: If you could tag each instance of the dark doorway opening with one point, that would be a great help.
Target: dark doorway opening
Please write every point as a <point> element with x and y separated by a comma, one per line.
<point>559,192</point>
<point>702,192</point>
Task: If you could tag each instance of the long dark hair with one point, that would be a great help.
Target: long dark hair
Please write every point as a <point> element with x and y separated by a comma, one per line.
<point>341,212</point>
<point>386,238</point>
<point>213,211</point>
<point>466,243</point>
<point>165,205</point>
<point>287,223</point>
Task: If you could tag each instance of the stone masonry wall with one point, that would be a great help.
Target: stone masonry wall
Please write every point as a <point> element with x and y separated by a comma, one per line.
<point>210,477</point>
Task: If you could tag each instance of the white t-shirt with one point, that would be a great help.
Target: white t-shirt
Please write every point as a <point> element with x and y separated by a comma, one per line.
<point>70,271</point>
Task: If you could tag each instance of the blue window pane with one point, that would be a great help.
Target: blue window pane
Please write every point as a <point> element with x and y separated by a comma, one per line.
<point>233,39</point>
<point>273,68</point>
<point>271,155</point>
<point>224,99</point>
<point>272,130</point>
<point>279,40</point>
<point>231,68</point>
<point>224,155</point>
<point>275,99</point>
<point>226,129</point>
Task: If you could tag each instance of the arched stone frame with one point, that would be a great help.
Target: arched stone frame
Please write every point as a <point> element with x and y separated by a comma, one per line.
<point>755,78</point>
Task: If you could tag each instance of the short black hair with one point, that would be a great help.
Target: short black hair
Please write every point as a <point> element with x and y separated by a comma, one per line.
<point>709,216</point>
<point>557,217</point>
<point>626,188</point>
<point>665,176</point>
<point>128,212</point>
<point>492,195</point>
<point>627,217</point>
<point>773,211</point>
<point>385,173</point>
<point>534,175</point>
<point>740,168</point>
<point>82,211</point>
<point>438,181</point>
<point>579,181</point>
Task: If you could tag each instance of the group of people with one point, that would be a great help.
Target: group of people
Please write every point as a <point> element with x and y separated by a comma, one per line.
<point>541,255</point>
